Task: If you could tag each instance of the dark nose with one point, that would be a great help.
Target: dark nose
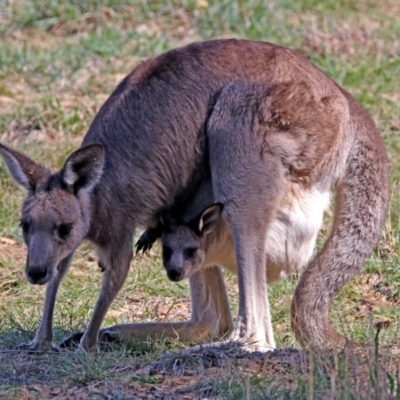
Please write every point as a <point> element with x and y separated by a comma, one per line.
<point>35,274</point>
<point>175,274</point>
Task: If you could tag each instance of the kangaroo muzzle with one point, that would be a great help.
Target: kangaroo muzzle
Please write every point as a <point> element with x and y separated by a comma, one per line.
<point>38,266</point>
<point>36,274</point>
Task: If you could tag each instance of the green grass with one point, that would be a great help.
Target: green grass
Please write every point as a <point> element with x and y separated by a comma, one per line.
<point>58,63</point>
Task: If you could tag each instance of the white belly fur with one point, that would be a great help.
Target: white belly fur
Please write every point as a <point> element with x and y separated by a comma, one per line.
<point>292,234</point>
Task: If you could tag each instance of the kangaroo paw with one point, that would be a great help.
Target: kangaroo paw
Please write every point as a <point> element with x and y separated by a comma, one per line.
<point>38,347</point>
<point>148,238</point>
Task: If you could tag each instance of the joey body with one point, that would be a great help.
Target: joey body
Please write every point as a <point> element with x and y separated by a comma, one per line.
<point>188,246</point>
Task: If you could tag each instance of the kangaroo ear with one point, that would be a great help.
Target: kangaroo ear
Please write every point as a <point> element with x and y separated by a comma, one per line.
<point>24,170</point>
<point>83,168</point>
<point>209,218</point>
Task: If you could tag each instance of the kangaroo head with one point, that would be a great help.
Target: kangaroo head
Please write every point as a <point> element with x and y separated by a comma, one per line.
<point>55,215</point>
<point>184,244</point>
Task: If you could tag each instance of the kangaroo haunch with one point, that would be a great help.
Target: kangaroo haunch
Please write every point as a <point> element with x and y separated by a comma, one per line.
<point>274,136</point>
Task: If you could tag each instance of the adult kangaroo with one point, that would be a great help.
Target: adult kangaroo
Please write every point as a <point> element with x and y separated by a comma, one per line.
<point>184,117</point>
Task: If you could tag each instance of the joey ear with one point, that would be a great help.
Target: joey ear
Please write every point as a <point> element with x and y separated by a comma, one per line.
<point>25,171</point>
<point>209,218</point>
<point>84,167</point>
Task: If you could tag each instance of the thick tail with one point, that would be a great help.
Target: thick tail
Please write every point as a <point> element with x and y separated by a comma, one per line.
<point>360,212</point>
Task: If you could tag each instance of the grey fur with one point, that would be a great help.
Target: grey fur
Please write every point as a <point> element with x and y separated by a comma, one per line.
<point>257,120</point>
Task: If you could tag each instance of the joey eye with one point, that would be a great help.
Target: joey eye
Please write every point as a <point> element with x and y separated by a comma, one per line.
<point>64,230</point>
<point>189,252</point>
<point>166,252</point>
<point>25,226</point>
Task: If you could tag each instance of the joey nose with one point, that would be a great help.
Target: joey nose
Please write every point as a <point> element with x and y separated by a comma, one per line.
<point>36,273</point>
<point>175,274</point>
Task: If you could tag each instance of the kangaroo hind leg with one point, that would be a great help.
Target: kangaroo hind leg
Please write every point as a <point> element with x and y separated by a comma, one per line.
<point>359,215</point>
<point>211,318</point>
<point>249,182</point>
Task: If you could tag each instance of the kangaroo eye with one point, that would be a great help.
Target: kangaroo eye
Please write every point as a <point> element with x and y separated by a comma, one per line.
<point>166,252</point>
<point>25,226</point>
<point>189,252</point>
<point>64,230</point>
